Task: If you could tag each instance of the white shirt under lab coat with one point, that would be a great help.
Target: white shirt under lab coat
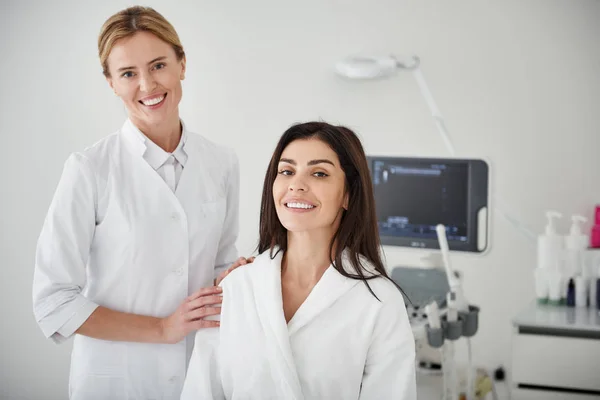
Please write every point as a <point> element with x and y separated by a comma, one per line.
<point>168,165</point>
<point>342,343</point>
<point>117,235</point>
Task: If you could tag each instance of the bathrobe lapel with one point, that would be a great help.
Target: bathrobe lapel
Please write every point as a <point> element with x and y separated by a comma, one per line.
<point>326,292</point>
<point>270,311</point>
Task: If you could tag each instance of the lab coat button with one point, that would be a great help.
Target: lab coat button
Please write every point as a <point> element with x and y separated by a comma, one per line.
<point>173,379</point>
<point>178,271</point>
<point>175,217</point>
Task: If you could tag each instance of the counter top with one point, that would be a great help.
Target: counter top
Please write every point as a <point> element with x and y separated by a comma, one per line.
<point>559,317</point>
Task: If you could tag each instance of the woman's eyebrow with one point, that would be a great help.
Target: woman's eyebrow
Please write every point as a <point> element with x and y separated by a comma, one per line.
<point>149,62</point>
<point>320,161</point>
<point>311,162</point>
<point>287,160</point>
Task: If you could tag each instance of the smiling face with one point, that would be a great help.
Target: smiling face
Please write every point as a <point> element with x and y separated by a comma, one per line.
<point>145,73</point>
<point>309,191</point>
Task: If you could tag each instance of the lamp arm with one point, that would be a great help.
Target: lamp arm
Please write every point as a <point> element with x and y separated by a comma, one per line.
<point>441,127</point>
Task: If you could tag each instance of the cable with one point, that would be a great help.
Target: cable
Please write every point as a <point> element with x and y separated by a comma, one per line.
<point>441,128</point>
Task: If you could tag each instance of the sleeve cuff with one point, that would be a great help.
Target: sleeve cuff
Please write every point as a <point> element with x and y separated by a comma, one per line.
<point>59,330</point>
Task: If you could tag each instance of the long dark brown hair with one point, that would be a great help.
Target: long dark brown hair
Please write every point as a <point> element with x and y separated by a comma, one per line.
<point>357,231</point>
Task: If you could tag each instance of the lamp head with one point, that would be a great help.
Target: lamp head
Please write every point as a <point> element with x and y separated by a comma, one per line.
<point>367,67</point>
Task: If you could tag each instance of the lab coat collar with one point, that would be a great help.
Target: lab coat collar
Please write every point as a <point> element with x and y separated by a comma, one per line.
<point>152,153</point>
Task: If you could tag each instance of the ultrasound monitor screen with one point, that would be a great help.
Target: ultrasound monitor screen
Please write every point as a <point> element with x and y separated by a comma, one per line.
<point>413,197</point>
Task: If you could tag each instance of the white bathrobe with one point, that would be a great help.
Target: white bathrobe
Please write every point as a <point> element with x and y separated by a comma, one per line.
<point>342,343</point>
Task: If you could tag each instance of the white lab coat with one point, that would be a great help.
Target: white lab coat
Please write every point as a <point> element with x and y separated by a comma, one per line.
<point>342,343</point>
<point>116,235</point>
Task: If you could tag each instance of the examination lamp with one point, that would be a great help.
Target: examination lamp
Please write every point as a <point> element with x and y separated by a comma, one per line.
<point>359,67</point>
<point>380,67</point>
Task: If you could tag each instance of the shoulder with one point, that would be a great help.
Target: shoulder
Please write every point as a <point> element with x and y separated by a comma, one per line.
<point>387,292</point>
<point>92,159</point>
<point>95,158</point>
<point>387,312</point>
<point>101,150</point>
<point>382,287</point>
<point>246,273</point>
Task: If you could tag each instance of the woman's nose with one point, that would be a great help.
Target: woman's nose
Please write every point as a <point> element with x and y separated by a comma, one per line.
<point>147,83</point>
<point>297,184</point>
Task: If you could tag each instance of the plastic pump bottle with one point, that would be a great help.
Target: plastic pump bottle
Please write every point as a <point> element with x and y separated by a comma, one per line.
<point>548,274</point>
<point>550,244</point>
<point>576,243</point>
<point>597,300</point>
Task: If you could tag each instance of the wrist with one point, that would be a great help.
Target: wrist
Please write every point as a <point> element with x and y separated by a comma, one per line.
<point>161,330</point>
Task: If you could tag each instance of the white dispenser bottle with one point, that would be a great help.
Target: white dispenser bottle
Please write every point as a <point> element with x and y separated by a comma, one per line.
<point>576,242</point>
<point>549,245</point>
<point>594,279</point>
<point>581,292</point>
<point>548,274</point>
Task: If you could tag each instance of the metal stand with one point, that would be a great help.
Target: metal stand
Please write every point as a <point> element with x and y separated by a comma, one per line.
<point>465,326</point>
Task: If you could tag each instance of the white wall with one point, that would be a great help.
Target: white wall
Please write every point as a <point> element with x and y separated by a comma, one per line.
<point>516,80</point>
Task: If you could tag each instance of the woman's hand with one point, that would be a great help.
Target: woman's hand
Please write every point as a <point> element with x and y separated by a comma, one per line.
<point>238,263</point>
<point>190,315</point>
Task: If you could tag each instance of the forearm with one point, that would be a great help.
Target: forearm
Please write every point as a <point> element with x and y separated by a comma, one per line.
<point>107,324</point>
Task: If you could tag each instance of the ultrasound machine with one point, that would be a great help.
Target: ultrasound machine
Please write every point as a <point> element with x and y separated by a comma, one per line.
<point>414,196</point>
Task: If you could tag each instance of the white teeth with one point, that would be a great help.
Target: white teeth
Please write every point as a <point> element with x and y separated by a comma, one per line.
<point>154,101</point>
<point>300,205</point>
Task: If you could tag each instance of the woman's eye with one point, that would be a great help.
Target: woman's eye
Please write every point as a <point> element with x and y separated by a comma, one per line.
<point>285,172</point>
<point>320,174</point>
<point>127,74</point>
<point>160,66</point>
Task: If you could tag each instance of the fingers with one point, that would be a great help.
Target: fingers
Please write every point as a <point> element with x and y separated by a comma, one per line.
<point>213,290</point>
<point>203,301</point>
<point>241,261</point>
<point>237,263</point>
<point>202,324</point>
<point>228,270</point>
<point>207,291</point>
<point>202,313</point>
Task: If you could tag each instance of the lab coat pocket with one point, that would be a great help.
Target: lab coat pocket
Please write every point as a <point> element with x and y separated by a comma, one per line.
<point>97,387</point>
<point>212,217</point>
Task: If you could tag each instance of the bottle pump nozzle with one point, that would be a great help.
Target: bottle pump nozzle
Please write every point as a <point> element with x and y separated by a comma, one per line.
<point>552,216</point>
<point>578,221</point>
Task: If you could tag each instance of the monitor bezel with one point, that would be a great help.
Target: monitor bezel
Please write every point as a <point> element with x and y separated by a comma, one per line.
<point>477,205</point>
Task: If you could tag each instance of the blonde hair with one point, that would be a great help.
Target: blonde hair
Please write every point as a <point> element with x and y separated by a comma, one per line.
<point>127,22</point>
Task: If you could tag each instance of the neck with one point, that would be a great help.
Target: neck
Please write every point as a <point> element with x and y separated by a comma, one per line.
<point>166,134</point>
<point>307,257</point>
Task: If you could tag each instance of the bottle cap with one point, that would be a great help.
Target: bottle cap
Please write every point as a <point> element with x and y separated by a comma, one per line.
<point>578,221</point>
<point>552,216</point>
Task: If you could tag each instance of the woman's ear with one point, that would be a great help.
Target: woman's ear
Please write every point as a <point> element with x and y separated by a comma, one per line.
<point>345,203</point>
<point>182,75</point>
<point>110,84</point>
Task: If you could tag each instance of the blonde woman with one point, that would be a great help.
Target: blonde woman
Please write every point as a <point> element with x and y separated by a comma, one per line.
<point>141,229</point>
